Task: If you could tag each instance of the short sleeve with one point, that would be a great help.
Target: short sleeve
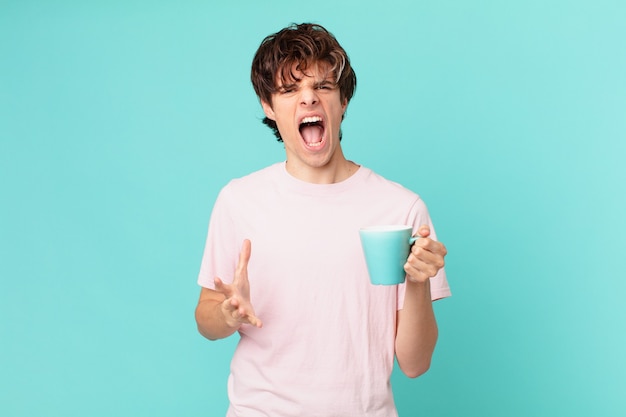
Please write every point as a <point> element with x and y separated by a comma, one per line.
<point>220,251</point>
<point>439,288</point>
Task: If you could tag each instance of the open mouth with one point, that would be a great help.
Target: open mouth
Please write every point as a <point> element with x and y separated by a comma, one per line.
<point>312,131</point>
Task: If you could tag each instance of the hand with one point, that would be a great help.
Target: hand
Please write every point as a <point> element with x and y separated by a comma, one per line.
<point>237,308</point>
<point>426,257</point>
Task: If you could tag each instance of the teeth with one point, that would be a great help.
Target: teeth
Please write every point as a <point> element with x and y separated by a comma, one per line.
<point>311,119</point>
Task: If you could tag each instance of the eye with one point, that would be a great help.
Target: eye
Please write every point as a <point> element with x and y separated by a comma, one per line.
<point>286,89</point>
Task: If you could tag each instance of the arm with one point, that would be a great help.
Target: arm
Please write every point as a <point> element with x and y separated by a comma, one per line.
<point>416,333</point>
<point>222,311</point>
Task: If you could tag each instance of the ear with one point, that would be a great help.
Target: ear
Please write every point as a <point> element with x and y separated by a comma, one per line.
<point>267,109</point>
<point>344,105</point>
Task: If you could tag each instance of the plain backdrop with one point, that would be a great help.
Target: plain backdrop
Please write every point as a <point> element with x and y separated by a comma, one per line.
<point>121,120</point>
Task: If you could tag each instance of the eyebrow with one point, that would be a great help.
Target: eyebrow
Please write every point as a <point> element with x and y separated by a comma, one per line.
<point>285,87</point>
<point>328,81</point>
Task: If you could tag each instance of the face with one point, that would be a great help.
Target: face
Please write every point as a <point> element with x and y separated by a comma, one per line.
<point>308,114</point>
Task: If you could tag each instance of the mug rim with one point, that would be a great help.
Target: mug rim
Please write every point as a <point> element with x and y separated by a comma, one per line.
<point>386,228</point>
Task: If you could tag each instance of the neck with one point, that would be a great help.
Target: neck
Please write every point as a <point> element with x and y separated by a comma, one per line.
<point>327,174</point>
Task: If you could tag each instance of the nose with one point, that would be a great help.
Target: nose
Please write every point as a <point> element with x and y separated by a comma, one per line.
<point>308,96</point>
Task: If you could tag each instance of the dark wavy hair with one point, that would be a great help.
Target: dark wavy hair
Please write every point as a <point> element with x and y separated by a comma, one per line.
<point>298,46</point>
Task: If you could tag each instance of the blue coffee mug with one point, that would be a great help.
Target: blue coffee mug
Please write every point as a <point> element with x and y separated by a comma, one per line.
<point>386,249</point>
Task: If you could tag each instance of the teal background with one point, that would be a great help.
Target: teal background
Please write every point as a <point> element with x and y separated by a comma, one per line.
<point>121,120</point>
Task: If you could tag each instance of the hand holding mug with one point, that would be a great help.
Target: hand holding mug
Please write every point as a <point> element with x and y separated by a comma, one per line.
<point>426,257</point>
<point>391,254</point>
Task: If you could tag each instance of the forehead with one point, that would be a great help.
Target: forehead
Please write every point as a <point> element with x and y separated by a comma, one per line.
<point>292,73</point>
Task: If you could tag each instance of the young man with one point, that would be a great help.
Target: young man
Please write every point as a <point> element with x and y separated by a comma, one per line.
<point>283,264</point>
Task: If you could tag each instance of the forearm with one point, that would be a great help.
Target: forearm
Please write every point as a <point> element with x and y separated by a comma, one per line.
<point>211,320</point>
<point>417,332</point>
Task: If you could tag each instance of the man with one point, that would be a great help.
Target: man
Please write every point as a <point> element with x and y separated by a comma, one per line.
<point>283,265</point>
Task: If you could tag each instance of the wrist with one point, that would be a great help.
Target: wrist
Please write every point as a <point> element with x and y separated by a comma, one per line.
<point>418,286</point>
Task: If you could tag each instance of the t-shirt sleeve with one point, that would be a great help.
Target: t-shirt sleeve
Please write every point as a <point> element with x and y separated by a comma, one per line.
<point>439,287</point>
<point>220,251</point>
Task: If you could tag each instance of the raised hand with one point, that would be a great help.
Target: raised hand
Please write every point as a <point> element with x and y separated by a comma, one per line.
<point>426,257</point>
<point>236,307</point>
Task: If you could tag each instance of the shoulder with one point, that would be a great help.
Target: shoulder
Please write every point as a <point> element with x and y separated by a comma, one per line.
<point>378,183</point>
<point>250,187</point>
<point>253,180</point>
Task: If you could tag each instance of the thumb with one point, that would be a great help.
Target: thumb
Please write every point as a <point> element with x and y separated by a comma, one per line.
<point>424,231</point>
<point>223,288</point>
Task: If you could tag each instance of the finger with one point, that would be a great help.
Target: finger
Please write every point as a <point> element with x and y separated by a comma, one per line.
<point>245,314</point>
<point>429,245</point>
<point>423,231</point>
<point>225,289</point>
<point>254,321</point>
<point>240,313</point>
<point>219,284</point>
<point>230,307</point>
<point>414,274</point>
<point>420,271</point>
<point>230,312</point>
<point>244,256</point>
<point>420,255</point>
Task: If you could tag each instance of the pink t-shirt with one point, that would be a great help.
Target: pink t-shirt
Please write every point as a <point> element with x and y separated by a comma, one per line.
<point>326,347</point>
